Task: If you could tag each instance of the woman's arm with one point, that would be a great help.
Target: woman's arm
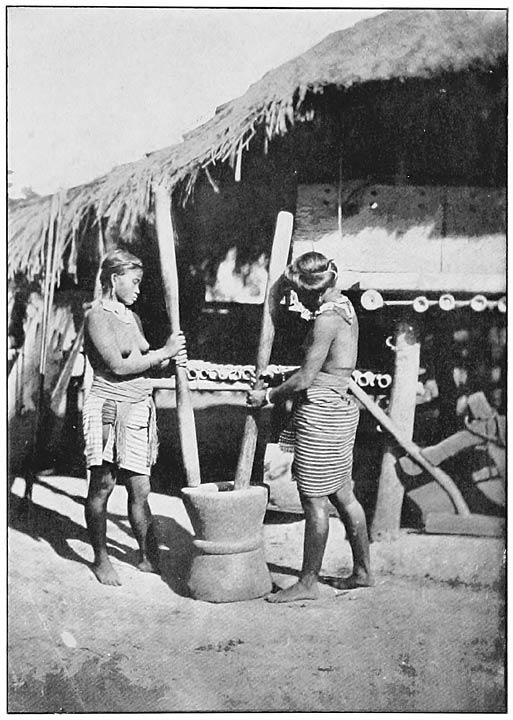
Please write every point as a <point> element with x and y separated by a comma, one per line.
<point>323,332</point>
<point>276,293</point>
<point>100,334</point>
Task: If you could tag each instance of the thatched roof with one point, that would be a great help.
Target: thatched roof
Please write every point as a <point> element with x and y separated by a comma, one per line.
<point>396,44</point>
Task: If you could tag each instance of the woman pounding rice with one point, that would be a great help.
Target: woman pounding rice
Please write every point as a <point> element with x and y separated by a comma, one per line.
<point>119,413</point>
<point>325,419</point>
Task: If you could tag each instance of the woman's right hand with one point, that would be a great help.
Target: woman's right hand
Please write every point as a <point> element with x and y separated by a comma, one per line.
<point>181,358</point>
<point>175,344</point>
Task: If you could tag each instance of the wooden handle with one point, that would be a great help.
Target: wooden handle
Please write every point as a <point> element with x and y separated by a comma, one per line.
<point>185,412</point>
<point>412,449</point>
<point>277,264</point>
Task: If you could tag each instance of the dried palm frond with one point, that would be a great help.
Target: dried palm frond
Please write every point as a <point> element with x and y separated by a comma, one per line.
<point>396,44</point>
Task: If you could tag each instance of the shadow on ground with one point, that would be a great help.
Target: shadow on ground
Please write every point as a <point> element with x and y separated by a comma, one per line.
<point>42,523</point>
<point>99,686</point>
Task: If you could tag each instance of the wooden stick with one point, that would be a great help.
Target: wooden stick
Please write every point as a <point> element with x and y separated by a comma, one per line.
<point>57,256</point>
<point>50,244</point>
<point>278,261</point>
<point>186,425</point>
<point>97,293</point>
<point>339,199</point>
<point>61,386</point>
<point>412,449</point>
<point>51,252</point>
<point>43,350</point>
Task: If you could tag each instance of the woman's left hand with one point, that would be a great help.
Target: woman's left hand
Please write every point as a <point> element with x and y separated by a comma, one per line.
<point>256,398</point>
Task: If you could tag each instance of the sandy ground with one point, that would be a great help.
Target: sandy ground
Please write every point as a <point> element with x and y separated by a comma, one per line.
<point>428,638</point>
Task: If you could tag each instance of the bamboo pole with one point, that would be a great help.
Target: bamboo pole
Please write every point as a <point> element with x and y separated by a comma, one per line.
<point>186,425</point>
<point>49,279</point>
<point>444,480</point>
<point>278,261</point>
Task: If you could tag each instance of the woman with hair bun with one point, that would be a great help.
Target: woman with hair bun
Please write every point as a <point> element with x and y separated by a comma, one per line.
<point>119,413</point>
<point>324,424</point>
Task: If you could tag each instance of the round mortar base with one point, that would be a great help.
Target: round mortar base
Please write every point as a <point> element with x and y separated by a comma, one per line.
<point>229,578</point>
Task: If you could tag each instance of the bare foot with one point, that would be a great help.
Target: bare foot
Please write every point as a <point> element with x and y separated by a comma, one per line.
<point>353,582</point>
<point>149,566</point>
<point>298,591</point>
<point>106,573</point>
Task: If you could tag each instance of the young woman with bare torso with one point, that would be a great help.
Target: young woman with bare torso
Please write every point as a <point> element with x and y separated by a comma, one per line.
<point>324,423</point>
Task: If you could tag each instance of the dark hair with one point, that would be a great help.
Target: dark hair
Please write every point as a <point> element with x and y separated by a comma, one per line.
<point>117,262</point>
<point>311,272</point>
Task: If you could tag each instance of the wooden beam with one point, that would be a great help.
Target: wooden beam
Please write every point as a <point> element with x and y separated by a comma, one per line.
<point>277,264</point>
<point>444,480</point>
<point>437,523</point>
<point>437,454</point>
<point>186,424</point>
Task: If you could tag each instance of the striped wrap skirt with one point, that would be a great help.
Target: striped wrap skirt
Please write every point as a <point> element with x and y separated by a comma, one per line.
<point>324,425</point>
<point>128,411</point>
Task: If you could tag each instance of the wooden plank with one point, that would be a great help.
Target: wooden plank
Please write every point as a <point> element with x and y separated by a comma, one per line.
<point>420,282</point>
<point>431,498</point>
<point>436,454</point>
<point>391,227</point>
<point>475,213</point>
<point>317,212</point>
<point>480,525</point>
<point>487,252</point>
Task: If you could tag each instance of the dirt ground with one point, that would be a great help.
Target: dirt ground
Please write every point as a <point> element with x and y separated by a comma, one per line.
<point>429,637</point>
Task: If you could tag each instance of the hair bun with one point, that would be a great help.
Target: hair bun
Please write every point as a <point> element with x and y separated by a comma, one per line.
<point>332,267</point>
<point>312,272</point>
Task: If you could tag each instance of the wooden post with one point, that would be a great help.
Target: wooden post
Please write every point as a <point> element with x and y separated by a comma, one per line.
<point>277,264</point>
<point>186,425</point>
<point>387,516</point>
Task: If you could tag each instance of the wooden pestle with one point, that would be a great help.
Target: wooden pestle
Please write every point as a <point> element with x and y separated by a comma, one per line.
<point>186,424</point>
<point>277,264</point>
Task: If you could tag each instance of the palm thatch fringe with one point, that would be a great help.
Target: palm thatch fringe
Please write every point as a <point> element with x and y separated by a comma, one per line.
<point>214,185</point>
<point>73,257</point>
<point>395,44</point>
